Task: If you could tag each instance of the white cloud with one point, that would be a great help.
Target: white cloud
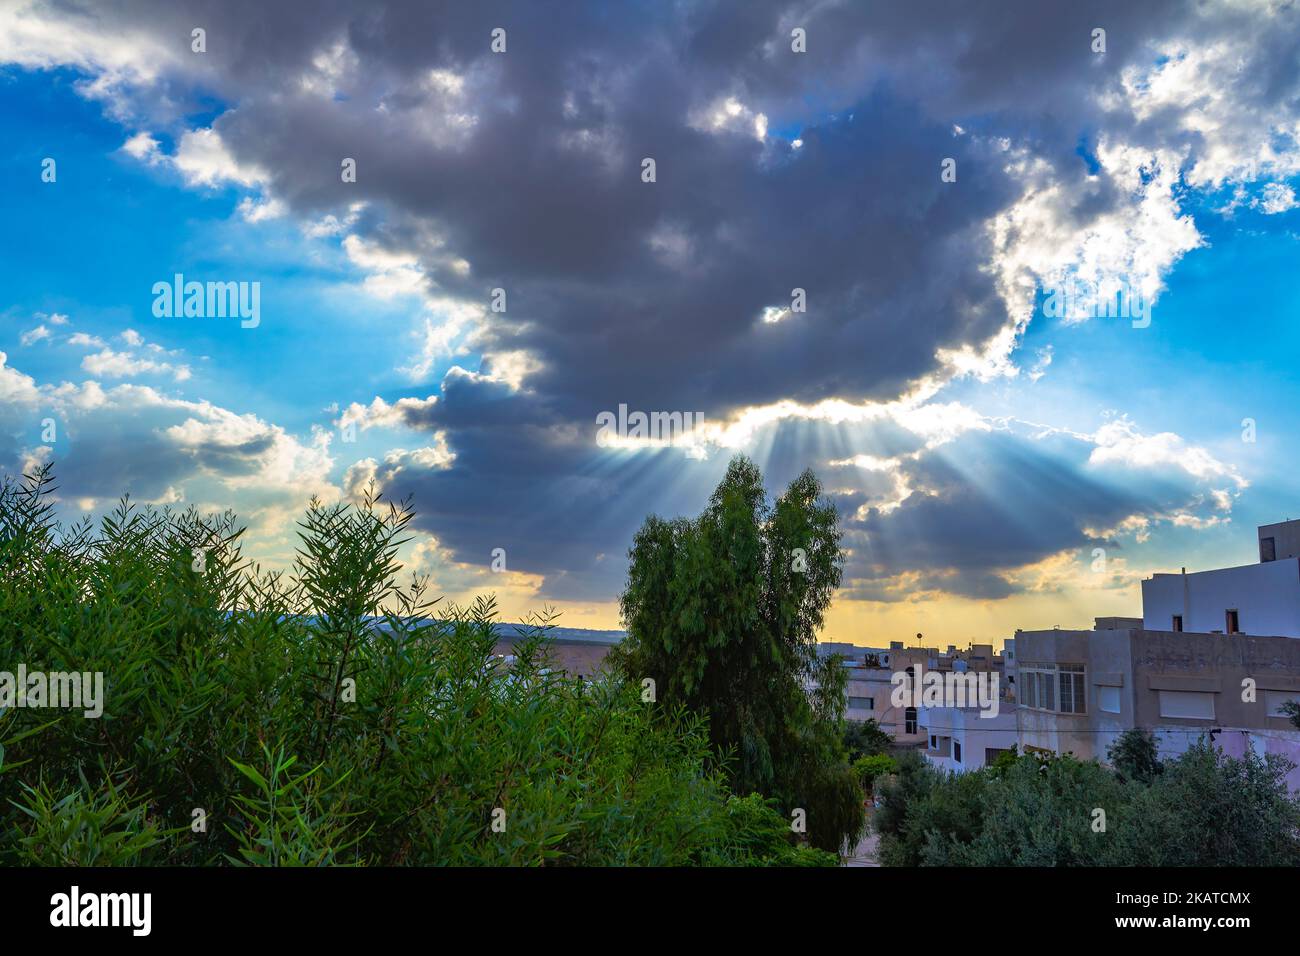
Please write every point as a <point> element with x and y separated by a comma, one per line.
<point>391,273</point>
<point>1276,198</point>
<point>144,148</point>
<point>87,341</point>
<point>15,387</point>
<point>260,211</point>
<point>331,225</point>
<point>203,159</point>
<point>32,336</point>
<point>366,473</point>
<point>332,67</point>
<point>121,60</point>
<point>380,414</point>
<point>111,364</point>
<point>728,114</point>
<point>1120,442</point>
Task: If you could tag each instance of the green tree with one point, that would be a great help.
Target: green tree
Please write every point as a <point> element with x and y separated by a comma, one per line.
<point>1208,809</point>
<point>872,768</point>
<point>1204,809</point>
<point>1134,755</point>
<point>898,799</point>
<point>722,612</point>
<point>1042,811</point>
<point>1291,709</point>
<point>864,738</point>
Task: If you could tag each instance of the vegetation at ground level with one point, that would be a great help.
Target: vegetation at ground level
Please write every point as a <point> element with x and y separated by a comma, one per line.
<point>1202,808</point>
<point>328,715</point>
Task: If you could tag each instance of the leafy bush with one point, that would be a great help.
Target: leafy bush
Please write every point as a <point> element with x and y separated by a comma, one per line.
<point>1203,809</point>
<point>1206,809</point>
<point>870,769</point>
<point>1134,755</point>
<point>324,716</point>
<point>864,738</point>
<point>1040,813</point>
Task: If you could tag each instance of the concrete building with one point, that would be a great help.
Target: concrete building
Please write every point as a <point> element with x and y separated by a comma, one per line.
<point>1213,654</point>
<point>1261,598</point>
<point>871,671</point>
<point>963,738</point>
<point>967,738</point>
<point>1079,690</point>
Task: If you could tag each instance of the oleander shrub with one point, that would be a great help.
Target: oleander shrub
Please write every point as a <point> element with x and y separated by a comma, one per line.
<point>328,714</point>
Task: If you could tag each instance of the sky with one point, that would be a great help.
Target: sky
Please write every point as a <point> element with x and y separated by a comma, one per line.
<point>870,245</point>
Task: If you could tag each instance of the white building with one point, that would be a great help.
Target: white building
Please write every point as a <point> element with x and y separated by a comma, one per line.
<point>1262,599</point>
<point>962,738</point>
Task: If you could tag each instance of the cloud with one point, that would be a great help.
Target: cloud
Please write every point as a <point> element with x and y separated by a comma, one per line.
<point>204,160</point>
<point>144,148</point>
<point>32,336</point>
<point>775,171</point>
<point>1120,442</point>
<point>110,364</point>
<point>1276,198</point>
<point>177,449</point>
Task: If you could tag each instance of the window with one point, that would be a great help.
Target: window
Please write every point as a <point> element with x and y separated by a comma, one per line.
<point>934,742</point>
<point>1108,699</point>
<point>1230,622</point>
<point>862,703</point>
<point>1043,685</point>
<point>1276,698</point>
<point>909,720</point>
<point>1195,705</point>
<point>1029,687</point>
<point>956,751</point>
<point>1178,623</point>
<point>1073,690</point>
<point>1267,549</point>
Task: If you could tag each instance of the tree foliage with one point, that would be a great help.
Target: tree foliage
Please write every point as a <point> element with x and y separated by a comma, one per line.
<point>1134,755</point>
<point>1203,809</point>
<point>722,612</point>
<point>864,738</point>
<point>329,715</point>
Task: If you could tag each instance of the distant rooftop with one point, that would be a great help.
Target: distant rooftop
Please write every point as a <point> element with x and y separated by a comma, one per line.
<point>564,635</point>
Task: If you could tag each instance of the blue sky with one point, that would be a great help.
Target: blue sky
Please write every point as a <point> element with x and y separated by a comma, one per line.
<point>978,449</point>
<point>126,226</point>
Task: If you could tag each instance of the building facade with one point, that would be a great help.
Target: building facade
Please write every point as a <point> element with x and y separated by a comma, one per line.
<point>1261,598</point>
<point>1079,690</point>
<point>963,738</point>
<point>871,681</point>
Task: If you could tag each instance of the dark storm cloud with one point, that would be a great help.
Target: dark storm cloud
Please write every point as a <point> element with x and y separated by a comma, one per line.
<point>988,504</point>
<point>891,258</point>
<point>526,165</point>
